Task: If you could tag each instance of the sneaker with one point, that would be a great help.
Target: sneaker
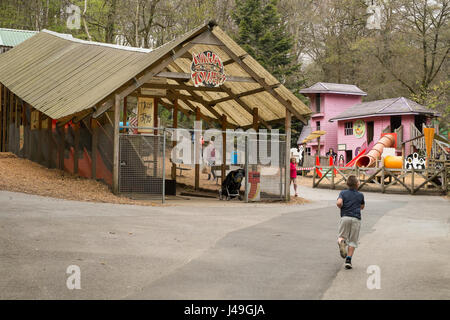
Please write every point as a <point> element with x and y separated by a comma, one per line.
<point>348,263</point>
<point>342,249</point>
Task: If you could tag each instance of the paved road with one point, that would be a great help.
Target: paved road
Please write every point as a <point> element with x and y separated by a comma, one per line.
<point>223,250</point>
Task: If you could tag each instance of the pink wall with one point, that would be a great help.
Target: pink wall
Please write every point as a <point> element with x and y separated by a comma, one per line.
<point>331,106</point>
<point>380,123</point>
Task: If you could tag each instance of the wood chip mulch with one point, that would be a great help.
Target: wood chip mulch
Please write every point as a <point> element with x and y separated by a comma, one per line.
<point>22,175</point>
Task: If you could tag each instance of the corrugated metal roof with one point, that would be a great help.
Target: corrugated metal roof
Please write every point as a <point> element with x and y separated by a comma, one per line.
<point>12,37</point>
<point>392,106</point>
<point>337,88</point>
<point>61,76</point>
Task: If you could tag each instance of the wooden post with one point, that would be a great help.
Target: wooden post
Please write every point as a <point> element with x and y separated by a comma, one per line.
<point>50,141</point>
<point>314,176</point>
<point>197,151</point>
<point>61,146</point>
<point>2,110</point>
<point>116,144</point>
<point>224,146</point>
<point>155,115</point>
<point>412,180</point>
<point>10,124</point>
<point>2,115</point>
<point>27,130</point>
<point>287,125</point>
<point>125,113</point>
<point>94,127</point>
<point>40,139</point>
<point>383,188</point>
<point>76,147</point>
<point>174,143</point>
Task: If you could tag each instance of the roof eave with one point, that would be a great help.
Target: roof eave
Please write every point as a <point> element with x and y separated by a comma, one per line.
<point>382,115</point>
<point>333,92</point>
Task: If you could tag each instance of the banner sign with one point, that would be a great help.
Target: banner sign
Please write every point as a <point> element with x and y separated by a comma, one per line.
<point>359,128</point>
<point>145,114</point>
<point>207,70</point>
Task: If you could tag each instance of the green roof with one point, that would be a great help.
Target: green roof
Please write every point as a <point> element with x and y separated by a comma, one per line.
<point>12,37</point>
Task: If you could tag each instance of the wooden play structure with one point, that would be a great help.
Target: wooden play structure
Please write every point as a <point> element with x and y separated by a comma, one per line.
<point>396,173</point>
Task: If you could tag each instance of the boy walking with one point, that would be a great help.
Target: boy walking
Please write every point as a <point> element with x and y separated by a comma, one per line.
<point>351,202</point>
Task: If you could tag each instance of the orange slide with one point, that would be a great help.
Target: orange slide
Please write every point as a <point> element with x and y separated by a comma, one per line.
<point>370,159</point>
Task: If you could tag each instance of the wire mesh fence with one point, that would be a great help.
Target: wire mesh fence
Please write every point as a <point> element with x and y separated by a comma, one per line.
<point>142,165</point>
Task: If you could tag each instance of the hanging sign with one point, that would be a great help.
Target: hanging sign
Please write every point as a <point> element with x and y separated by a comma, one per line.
<point>359,128</point>
<point>207,70</point>
<point>145,114</point>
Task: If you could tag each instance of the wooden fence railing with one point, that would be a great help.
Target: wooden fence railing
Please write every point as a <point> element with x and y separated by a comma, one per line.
<point>436,178</point>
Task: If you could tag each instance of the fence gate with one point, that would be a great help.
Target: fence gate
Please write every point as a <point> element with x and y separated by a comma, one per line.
<point>142,165</point>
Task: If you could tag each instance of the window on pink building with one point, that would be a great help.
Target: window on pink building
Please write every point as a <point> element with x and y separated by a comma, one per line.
<point>308,151</point>
<point>348,129</point>
<point>317,125</point>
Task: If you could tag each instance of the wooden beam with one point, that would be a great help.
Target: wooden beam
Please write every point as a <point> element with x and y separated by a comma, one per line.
<point>230,61</point>
<point>197,151</point>
<point>240,95</point>
<point>186,77</point>
<point>94,128</point>
<point>245,106</point>
<point>117,99</point>
<point>49,142</point>
<point>40,137</point>
<point>3,118</point>
<point>287,104</point>
<point>76,147</point>
<point>155,70</point>
<point>287,125</point>
<point>61,146</point>
<point>179,87</point>
<point>224,146</point>
<point>103,108</point>
<point>174,143</point>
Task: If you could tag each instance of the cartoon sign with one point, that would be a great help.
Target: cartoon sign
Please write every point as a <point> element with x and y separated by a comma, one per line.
<point>145,114</point>
<point>415,161</point>
<point>254,179</point>
<point>359,128</point>
<point>207,70</point>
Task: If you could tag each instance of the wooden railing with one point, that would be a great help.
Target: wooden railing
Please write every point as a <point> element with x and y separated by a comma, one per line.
<point>420,142</point>
<point>435,178</point>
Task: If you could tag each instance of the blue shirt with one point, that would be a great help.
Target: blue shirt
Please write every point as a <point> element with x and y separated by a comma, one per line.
<point>352,201</point>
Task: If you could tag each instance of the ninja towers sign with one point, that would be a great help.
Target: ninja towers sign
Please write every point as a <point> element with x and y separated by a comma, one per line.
<point>207,70</point>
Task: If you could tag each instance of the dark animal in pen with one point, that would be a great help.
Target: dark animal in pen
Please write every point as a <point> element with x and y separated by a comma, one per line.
<point>231,185</point>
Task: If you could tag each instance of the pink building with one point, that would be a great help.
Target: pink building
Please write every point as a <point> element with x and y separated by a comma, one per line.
<point>352,125</point>
<point>327,101</point>
<point>372,118</point>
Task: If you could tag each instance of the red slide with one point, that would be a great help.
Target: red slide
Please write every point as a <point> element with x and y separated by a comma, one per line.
<point>353,161</point>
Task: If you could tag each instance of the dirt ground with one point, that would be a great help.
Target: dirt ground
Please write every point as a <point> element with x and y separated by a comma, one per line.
<point>22,175</point>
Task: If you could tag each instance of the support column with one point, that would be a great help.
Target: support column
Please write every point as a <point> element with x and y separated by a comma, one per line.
<point>94,127</point>
<point>40,139</point>
<point>1,116</point>
<point>61,146</point>
<point>174,143</point>
<point>125,113</point>
<point>224,146</point>
<point>287,125</point>
<point>197,151</point>
<point>116,144</point>
<point>50,142</point>
<point>155,115</point>
<point>76,147</point>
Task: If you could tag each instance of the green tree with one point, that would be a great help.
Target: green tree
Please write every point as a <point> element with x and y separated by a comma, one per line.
<point>263,34</point>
